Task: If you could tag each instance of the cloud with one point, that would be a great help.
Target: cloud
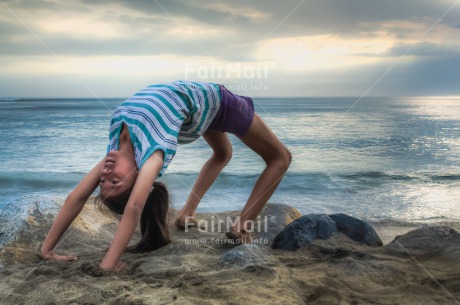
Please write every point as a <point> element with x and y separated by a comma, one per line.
<point>429,76</point>
<point>424,49</point>
<point>320,42</point>
<point>217,28</point>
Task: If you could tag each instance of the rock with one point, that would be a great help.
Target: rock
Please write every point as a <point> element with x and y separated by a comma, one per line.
<point>24,224</point>
<point>244,255</point>
<point>19,219</point>
<point>356,229</point>
<point>310,227</point>
<point>303,231</point>
<point>277,216</point>
<point>271,220</point>
<point>21,227</point>
<point>424,241</point>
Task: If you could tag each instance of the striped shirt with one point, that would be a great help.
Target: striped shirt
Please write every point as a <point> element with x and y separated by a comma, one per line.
<point>161,116</point>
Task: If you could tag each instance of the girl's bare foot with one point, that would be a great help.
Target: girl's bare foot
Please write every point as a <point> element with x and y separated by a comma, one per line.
<point>239,237</point>
<point>183,222</point>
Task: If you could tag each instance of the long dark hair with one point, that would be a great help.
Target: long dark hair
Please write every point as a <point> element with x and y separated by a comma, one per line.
<point>154,218</point>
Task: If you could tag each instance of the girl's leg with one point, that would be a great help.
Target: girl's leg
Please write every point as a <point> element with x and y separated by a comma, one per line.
<point>222,153</point>
<point>277,158</point>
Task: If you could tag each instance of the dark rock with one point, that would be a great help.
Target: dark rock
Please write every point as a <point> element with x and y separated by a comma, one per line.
<point>356,229</point>
<point>303,231</point>
<point>425,241</point>
<point>307,228</point>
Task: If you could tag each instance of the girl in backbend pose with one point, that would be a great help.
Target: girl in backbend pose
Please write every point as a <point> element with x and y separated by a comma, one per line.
<point>144,133</point>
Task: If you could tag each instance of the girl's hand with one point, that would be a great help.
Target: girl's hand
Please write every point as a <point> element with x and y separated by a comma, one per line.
<point>50,255</point>
<point>118,266</point>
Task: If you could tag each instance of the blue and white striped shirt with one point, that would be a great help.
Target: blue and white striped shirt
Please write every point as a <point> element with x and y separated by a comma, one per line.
<point>160,116</point>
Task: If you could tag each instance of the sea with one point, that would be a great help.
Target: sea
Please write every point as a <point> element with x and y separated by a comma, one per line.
<point>379,159</point>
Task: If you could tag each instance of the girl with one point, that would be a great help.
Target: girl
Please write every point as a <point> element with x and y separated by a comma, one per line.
<point>144,133</point>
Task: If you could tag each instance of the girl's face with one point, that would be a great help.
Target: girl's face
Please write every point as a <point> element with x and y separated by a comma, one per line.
<point>118,174</point>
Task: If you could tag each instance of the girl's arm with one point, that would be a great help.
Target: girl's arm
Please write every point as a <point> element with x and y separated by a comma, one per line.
<point>133,211</point>
<point>72,207</point>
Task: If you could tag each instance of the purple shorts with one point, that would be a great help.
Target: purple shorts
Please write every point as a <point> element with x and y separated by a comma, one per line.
<point>235,114</point>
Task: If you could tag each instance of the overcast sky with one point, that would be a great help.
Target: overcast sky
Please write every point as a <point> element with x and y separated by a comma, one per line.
<point>105,48</point>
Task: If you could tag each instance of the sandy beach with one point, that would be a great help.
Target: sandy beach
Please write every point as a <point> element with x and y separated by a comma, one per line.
<point>421,267</point>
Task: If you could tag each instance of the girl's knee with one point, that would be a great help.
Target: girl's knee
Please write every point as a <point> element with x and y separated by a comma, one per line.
<point>224,155</point>
<point>227,156</point>
<point>286,158</point>
<point>282,160</point>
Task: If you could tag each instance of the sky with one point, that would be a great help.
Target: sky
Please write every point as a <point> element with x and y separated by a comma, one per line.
<point>266,48</point>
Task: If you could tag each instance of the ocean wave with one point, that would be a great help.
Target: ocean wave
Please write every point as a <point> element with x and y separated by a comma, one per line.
<point>420,176</point>
<point>439,221</point>
<point>293,179</point>
<point>39,179</point>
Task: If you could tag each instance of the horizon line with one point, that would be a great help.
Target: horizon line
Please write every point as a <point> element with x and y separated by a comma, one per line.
<point>253,97</point>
